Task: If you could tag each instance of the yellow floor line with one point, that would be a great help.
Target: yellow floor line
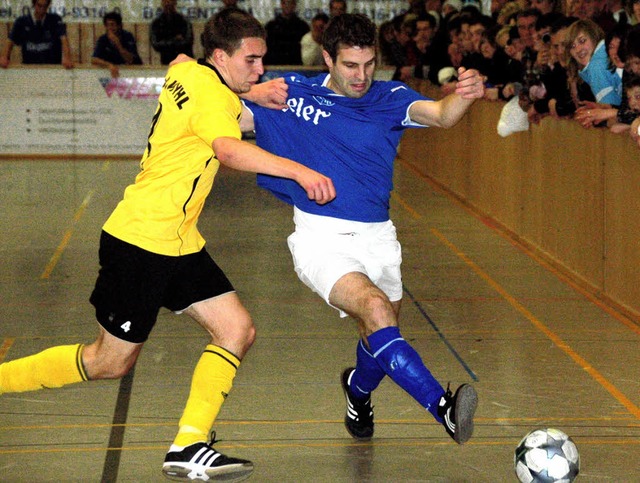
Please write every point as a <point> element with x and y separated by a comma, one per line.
<point>599,378</point>
<point>412,442</point>
<point>6,345</point>
<point>66,237</point>
<point>618,395</point>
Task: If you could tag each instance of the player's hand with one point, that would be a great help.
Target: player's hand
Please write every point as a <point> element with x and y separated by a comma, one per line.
<point>634,130</point>
<point>318,187</point>
<point>115,70</point>
<point>470,84</point>
<point>271,94</point>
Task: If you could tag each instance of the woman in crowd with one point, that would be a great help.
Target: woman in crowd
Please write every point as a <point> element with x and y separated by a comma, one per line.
<point>588,62</point>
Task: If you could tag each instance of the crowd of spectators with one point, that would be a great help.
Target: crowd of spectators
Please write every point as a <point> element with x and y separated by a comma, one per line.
<point>579,59</point>
<point>560,58</point>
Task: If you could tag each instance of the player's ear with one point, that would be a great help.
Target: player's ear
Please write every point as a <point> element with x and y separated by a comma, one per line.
<point>327,59</point>
<point>219,56</point>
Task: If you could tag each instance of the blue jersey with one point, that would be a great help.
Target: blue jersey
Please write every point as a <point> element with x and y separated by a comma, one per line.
<point>352,141</point>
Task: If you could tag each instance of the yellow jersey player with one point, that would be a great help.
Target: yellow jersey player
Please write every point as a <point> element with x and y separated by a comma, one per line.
<point>152,254</point>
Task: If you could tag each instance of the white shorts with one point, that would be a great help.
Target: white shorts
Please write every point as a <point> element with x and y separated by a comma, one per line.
<point>324,249</point>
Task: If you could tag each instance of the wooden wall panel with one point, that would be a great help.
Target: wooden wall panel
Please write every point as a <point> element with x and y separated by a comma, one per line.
<point>568,193</point>
<point>622,215</point>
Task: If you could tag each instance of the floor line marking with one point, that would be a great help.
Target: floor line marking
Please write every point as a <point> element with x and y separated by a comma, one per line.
<point>414,213</point>
<point>485,421</point>
<point>66,237</point>
<point>521,245</point>
<point>413,442</point>
<point>443,338</point>
<point>6,345</point>
<point>577,358</point>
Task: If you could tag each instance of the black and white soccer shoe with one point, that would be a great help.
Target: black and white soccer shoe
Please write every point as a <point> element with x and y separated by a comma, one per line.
<point>457,412</point>
<point>359,417</point>
<point>200,461</point>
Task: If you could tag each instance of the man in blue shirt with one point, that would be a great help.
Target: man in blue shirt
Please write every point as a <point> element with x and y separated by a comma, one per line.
<point>42,37</point>
<point>116,47</point>
<point>347,126</point>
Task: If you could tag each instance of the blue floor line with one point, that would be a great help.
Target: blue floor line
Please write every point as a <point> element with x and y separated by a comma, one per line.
<point>441,335</point>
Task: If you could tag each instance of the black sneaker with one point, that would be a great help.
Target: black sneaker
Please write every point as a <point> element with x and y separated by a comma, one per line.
<point>200,461</point>
<point>359,417</point>
<point>457,412</point>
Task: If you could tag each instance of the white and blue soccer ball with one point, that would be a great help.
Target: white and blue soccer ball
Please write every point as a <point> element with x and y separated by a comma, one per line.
<point>547,456</point>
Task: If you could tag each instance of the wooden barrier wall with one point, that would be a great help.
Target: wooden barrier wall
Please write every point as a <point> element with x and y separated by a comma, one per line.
<point>82,39</point>
<point>570,194</point>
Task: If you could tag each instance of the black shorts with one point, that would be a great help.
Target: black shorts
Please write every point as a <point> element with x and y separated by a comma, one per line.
<point>133,284</point>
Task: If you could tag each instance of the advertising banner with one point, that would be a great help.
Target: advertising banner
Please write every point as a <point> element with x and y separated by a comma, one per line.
<point>195,10</point>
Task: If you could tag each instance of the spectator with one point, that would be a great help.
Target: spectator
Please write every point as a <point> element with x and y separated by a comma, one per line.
<point>544,6</point>
<point>284,33</point>
<point>478,25</point>
<point>425,30</point>
<point>635,11</point>
<point>337,7</point>
<point>496,7</point>
<point>311,43</point>
<point>116,47</point>
<point>42,37</point>
<point>557,101</point>
<point>171,33</point>
<point>589,62</point>
<point>526,23</point>
<point>230,4</point>
<point>508,14</point>
<point>451,6</point>
<point>620,15</point>
<point>414,56</point>
<point>593,113</point>
<point>402,52</point>
<point>496,65</point>
<point>386,37</point>
<point>632,93</point>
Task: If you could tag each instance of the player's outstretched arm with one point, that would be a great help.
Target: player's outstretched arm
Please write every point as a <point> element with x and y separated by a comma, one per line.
<point>448,111</point>
<point>244,156</point>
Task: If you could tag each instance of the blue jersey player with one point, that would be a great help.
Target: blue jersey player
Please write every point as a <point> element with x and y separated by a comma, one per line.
<point>347,126</point>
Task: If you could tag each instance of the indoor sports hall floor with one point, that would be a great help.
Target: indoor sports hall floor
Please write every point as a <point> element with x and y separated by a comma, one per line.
<point>478,309</point>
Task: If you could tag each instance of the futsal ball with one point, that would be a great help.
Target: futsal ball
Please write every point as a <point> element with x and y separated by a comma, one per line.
<point>546,456</point>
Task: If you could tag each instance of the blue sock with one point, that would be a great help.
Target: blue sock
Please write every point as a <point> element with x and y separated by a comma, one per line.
<point>403,364</point>
<point>367,375</point>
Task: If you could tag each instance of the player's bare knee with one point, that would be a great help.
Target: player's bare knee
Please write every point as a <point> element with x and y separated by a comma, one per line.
<point>99,364</point>
<point>379,311</point>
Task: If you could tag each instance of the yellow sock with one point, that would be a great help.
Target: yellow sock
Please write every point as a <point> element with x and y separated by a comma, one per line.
<point>53,367</point>
<point>211,383</point>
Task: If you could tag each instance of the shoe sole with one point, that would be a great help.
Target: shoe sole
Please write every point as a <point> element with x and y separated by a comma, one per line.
<point>228,473</point>
<point>343,381</point>
<point>466,404</point>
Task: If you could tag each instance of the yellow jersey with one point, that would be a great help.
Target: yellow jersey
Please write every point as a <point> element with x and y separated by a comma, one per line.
<point>159,212</point>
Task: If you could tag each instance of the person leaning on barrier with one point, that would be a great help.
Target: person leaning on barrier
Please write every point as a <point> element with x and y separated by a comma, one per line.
<point>42,37</point>
<point>284,33</point>
<point>116,46</point>
<point>171,33</point>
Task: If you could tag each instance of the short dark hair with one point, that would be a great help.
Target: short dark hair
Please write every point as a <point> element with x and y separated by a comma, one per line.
<point>348,30</point>
<point>321,16</point>
<point>115,16</point>
<point>228,28</point>
<point>632,81</point>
